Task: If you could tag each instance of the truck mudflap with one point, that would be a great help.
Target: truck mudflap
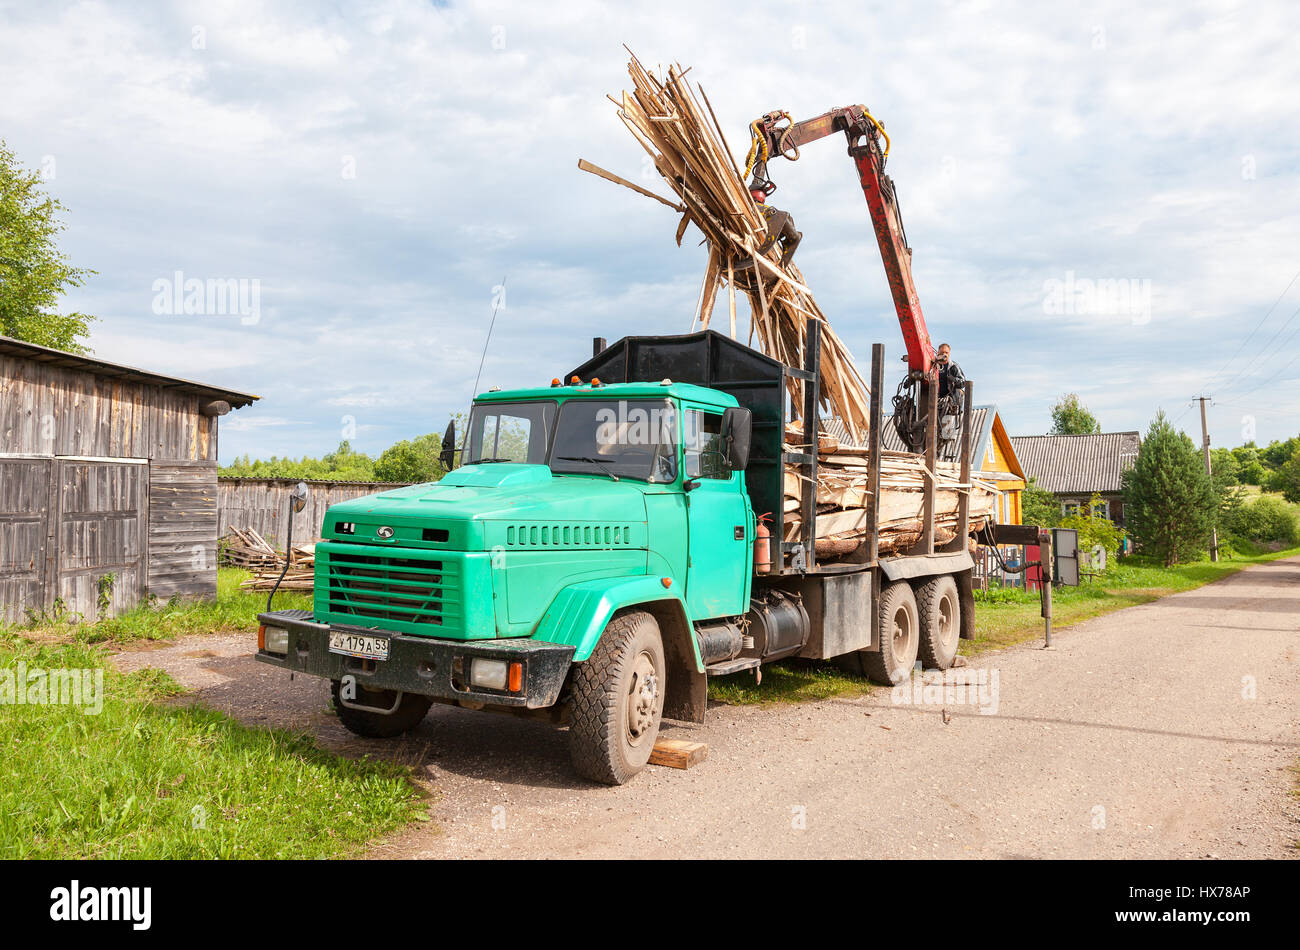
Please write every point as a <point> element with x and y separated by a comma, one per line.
<point>424,665</point>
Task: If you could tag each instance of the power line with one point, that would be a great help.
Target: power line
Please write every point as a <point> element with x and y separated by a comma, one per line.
<point>1251,334</point>
<point>1264,352</point>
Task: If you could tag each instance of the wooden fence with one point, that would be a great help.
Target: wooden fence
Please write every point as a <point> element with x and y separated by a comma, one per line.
<point>262,505</point>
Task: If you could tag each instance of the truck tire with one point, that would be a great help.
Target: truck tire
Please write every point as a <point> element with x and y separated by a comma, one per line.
<point>939,605</point>
<point>900,636</point>
<point>374,725</point>
<point>617,700</point>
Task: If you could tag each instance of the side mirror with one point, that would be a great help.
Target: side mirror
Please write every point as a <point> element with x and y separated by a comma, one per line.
<point>447,457</point>
<point>298,497</point>
<point>737,428</point>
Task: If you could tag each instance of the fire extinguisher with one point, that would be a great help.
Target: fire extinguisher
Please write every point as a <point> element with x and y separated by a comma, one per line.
<point>762,550</point>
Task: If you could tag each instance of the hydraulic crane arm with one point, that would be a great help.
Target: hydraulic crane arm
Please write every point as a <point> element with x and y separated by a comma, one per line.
<point>775,134</point>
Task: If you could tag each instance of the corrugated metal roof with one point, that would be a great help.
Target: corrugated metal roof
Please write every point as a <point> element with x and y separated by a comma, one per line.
<point>88,364</point>
<point>1069,464</point>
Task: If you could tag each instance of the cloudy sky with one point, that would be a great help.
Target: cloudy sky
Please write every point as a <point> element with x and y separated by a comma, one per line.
<point>374,170</point>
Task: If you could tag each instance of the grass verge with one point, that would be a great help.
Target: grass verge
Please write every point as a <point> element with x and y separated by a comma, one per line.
<point>233,611</point>
<point>1006,617</point>
<point>142,778</point>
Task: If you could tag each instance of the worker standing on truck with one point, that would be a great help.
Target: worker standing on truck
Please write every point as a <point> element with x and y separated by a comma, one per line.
<point>951,378</point>
<point>780,225</point>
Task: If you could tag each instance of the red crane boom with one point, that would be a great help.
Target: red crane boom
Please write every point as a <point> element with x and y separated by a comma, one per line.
<point>773,138</point>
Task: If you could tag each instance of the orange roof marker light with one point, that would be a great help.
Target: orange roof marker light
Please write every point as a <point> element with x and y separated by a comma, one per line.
<point>666,581</point>
<point>555,381</point>
<point>575,381</point>
<point>595,381</point>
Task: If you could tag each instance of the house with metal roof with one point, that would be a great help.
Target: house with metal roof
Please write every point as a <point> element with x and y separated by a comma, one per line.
<point>1075,467</point>
<point>108,483</point>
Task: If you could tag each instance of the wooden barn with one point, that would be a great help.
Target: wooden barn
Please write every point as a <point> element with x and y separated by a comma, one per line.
<point>108,483</point>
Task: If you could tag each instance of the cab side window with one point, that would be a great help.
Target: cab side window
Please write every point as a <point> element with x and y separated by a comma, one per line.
<point>705,455</point>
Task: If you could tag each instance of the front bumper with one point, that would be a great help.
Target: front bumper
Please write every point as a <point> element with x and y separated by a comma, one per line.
<point>423,665</point>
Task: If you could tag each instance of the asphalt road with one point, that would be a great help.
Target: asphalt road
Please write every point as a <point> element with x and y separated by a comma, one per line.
<point>1169,730</point>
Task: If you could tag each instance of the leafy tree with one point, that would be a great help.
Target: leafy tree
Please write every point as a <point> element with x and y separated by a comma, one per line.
<point>343,464</point>
<point>1287,478</point>
<point>1225,466</point>
<point>33,273</point>
<point>411,461</point>
<point>1170,504</point>
<point>1071,417</point>
<point>1279,453</point>
<point>1038,506</point>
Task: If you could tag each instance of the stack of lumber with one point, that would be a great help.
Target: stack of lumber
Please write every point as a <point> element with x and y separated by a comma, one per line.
<point>250,550</point>
<point>681,134</point>
<point>843,491</point>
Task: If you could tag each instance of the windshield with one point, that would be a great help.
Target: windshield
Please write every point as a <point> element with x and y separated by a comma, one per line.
<point>622,438</point>
<point>509,432</point>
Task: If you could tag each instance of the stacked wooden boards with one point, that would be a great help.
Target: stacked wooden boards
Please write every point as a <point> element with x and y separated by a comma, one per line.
<point>250,550</point>
<point>843,490</point>
<point>680,132</point>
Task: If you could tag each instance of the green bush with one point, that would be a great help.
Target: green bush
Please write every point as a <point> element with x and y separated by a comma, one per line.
<point>1264,520</point>
<point>1094,530</point>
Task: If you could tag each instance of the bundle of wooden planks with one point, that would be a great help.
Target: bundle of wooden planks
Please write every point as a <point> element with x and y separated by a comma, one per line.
<point>843,490</point>
<point>681,134</point>
<point>248,549</point>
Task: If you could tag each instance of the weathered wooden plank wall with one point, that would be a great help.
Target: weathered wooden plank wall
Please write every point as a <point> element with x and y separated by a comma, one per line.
<point>102,476</point>
<point>182,528</point>
<point>24,519</point>
<point>262,504</point>
<point>99,536</point>
<point>49,410</point>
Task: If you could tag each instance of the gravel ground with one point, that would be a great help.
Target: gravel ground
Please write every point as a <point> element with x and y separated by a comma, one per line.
<point>1167,730</point>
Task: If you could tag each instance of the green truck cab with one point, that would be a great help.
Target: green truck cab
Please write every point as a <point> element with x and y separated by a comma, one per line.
<point>592,560</point>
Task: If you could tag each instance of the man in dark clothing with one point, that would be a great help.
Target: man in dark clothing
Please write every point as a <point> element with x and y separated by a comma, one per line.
<point>952,381</point>
<point>780,227</point>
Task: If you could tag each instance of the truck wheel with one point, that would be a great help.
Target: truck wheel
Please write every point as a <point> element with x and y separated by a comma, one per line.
<point>940,609</point>
<point>374,725</point>
<point>900,636</point>
<point>618,700</point>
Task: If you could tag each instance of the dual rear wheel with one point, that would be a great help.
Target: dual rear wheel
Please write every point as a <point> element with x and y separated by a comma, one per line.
<point>922,623</point>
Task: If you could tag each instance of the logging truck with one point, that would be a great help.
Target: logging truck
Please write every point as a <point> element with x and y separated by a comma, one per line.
<point>607,544</point>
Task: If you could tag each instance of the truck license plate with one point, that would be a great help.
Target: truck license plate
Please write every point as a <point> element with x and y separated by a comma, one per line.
<point>356,644</point>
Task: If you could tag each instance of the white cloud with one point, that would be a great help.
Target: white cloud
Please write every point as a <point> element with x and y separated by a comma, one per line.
<point>380,166</point>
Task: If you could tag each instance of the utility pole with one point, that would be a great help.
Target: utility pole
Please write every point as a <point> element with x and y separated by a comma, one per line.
<point>1205,442</point>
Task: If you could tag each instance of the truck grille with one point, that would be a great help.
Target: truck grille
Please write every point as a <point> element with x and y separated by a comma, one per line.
<point>379,587</point>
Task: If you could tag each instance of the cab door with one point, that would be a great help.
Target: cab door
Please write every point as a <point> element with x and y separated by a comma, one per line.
<point>719,519</point>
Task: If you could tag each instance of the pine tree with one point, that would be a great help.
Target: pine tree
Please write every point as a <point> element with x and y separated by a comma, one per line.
<point>1170,504</point>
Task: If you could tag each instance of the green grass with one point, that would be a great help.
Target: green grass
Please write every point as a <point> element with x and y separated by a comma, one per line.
<point>788,681</point>
<point>233,611</point>
<point>145,778</point>
<point>1007,617</point>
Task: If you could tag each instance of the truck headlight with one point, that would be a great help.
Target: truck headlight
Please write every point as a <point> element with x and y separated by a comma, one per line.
<point>490,674</point>
<point>275,640</point>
